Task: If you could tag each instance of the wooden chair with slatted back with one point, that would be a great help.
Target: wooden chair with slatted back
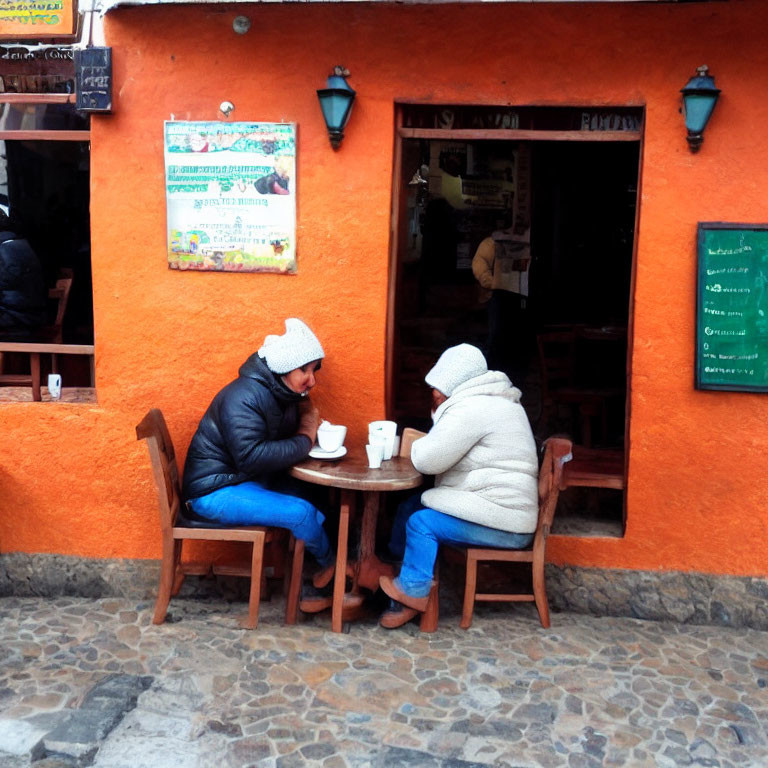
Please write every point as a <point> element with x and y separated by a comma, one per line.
<point>557,452</point>
<point>178,525</point>
<point>50,334</point>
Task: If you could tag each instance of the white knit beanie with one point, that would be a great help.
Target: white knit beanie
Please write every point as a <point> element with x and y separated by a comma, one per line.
<point>296,347</point>
<point>455,366</point>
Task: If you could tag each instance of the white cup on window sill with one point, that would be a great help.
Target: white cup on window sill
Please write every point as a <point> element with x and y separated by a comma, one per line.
<point>54,385</point>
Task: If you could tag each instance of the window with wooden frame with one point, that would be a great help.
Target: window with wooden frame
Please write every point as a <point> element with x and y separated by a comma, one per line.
<point>45,190</point>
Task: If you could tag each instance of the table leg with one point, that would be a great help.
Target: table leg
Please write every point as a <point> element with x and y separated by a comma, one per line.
<point>370,568</point>
<point>346,509</point>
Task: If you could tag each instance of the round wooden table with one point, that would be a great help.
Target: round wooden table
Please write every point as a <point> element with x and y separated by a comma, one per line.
<point>351,474</point>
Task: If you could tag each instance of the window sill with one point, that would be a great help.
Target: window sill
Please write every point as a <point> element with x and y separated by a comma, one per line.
<point>85,395</point>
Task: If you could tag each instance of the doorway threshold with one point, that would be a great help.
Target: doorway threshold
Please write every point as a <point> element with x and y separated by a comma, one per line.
<point>587,527</point>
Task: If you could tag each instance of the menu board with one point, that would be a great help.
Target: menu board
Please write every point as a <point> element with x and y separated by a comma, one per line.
<point>732,307</point>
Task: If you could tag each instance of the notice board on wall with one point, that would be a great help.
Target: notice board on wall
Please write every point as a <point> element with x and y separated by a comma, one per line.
<point>231,196</point>
<point>732,307</point>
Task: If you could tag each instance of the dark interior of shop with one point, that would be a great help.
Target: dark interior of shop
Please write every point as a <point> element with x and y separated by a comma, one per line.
<point>580,210</point>
<point>47,196</point>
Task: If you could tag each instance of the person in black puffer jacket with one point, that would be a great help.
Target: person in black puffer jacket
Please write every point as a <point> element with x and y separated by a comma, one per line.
<point>22,290</point>
<point>259,425</point>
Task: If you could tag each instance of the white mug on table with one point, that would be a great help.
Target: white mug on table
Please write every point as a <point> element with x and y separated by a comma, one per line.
<point>375,455</point>
<point>54,385</point>
<point>387,430</point>
<point>330,437</point>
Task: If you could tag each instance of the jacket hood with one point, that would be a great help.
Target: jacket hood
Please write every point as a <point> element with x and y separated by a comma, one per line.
<point>493,383</point>
<point>256,368</point>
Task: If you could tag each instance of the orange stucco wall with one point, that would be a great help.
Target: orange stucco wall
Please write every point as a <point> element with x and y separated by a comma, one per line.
<point>73,478</point>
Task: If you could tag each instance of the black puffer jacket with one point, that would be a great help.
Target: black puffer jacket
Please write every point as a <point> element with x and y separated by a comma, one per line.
<point>22,291</point>
<point>247,433</point>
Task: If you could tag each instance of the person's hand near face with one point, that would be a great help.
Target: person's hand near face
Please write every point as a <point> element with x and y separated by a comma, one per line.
<point>302,380</point>
<point>438,398</point>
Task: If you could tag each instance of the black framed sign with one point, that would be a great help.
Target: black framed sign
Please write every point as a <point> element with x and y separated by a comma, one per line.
<point>732,307</point>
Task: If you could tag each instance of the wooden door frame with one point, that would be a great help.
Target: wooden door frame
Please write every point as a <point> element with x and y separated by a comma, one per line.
<point>398,201</point>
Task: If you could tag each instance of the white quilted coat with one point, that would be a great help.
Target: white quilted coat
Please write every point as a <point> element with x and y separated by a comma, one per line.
<point>482,451</point>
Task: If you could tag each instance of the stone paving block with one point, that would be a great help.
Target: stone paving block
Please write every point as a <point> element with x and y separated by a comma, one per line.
<point>20,737</point>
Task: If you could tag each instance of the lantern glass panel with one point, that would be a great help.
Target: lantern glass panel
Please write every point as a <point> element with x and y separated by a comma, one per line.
<point>335,108</point>
<point>698,108</point>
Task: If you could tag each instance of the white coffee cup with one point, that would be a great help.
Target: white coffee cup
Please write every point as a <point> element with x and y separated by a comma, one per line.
<point>330,437</point>
<point>54,385</point>
<point>387,430</point>
<point>375,455</point>
<point>385,427</point>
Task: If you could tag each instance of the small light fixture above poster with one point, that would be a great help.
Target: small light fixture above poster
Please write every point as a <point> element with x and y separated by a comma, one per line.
<point>241,24</point>
<point>336,101</point>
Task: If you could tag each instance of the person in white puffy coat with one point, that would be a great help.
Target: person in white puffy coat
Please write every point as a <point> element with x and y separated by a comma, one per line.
<point>483,456</point>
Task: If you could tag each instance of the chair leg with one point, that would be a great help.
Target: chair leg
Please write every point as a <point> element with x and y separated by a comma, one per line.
<point>257,558</point>
<point>34,369</point>
<point>171,554</point>
<point>54,363</point>
<point>470,587</point>
<point>540,594</point>
<point>178,576</point>
<point>294,585</point>
<point>430,617</point>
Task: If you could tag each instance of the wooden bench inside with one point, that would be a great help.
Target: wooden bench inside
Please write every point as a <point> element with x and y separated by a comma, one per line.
<point>594,468</point>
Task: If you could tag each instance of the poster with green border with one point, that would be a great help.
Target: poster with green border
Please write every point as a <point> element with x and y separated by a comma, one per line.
<point>231,196</point>
<point>732,307</point>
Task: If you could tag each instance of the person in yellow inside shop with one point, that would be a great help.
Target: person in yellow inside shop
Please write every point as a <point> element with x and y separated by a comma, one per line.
<point>500,266</point>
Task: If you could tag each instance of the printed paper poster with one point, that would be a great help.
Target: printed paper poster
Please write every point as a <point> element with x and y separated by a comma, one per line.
<point>231,196</point>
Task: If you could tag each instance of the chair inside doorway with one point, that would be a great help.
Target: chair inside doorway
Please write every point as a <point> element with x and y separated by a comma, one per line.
<point>578,200</point>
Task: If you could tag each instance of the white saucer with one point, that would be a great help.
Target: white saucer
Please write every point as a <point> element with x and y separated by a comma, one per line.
<point>318,453</point>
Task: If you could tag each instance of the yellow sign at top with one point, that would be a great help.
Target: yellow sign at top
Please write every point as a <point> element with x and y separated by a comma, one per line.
<point>33,19</point>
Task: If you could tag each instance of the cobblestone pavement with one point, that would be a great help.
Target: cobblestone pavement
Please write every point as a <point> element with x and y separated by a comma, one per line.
<point>93,682</point>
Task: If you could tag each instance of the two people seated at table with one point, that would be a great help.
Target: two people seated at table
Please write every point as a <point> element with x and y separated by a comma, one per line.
<point>480,448</point>
<point>256,428</point>
<point>483,455</point>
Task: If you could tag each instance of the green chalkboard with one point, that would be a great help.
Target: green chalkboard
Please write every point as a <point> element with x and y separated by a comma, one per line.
<point>732,307</point>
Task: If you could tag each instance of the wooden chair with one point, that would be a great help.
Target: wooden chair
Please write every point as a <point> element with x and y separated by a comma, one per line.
<point>178,524</point>
<point>557,452</point>
<point>48,334</point>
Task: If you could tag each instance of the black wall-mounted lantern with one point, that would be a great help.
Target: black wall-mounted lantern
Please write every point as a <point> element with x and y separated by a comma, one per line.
<point>699,99</point>
<point>336,101</point>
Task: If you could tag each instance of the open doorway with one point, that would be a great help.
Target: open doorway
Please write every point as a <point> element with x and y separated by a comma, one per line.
<point>562,214</point>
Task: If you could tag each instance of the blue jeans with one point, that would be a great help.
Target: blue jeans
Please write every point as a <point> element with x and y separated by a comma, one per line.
<point>277,503</point>
<point>418,531</point>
